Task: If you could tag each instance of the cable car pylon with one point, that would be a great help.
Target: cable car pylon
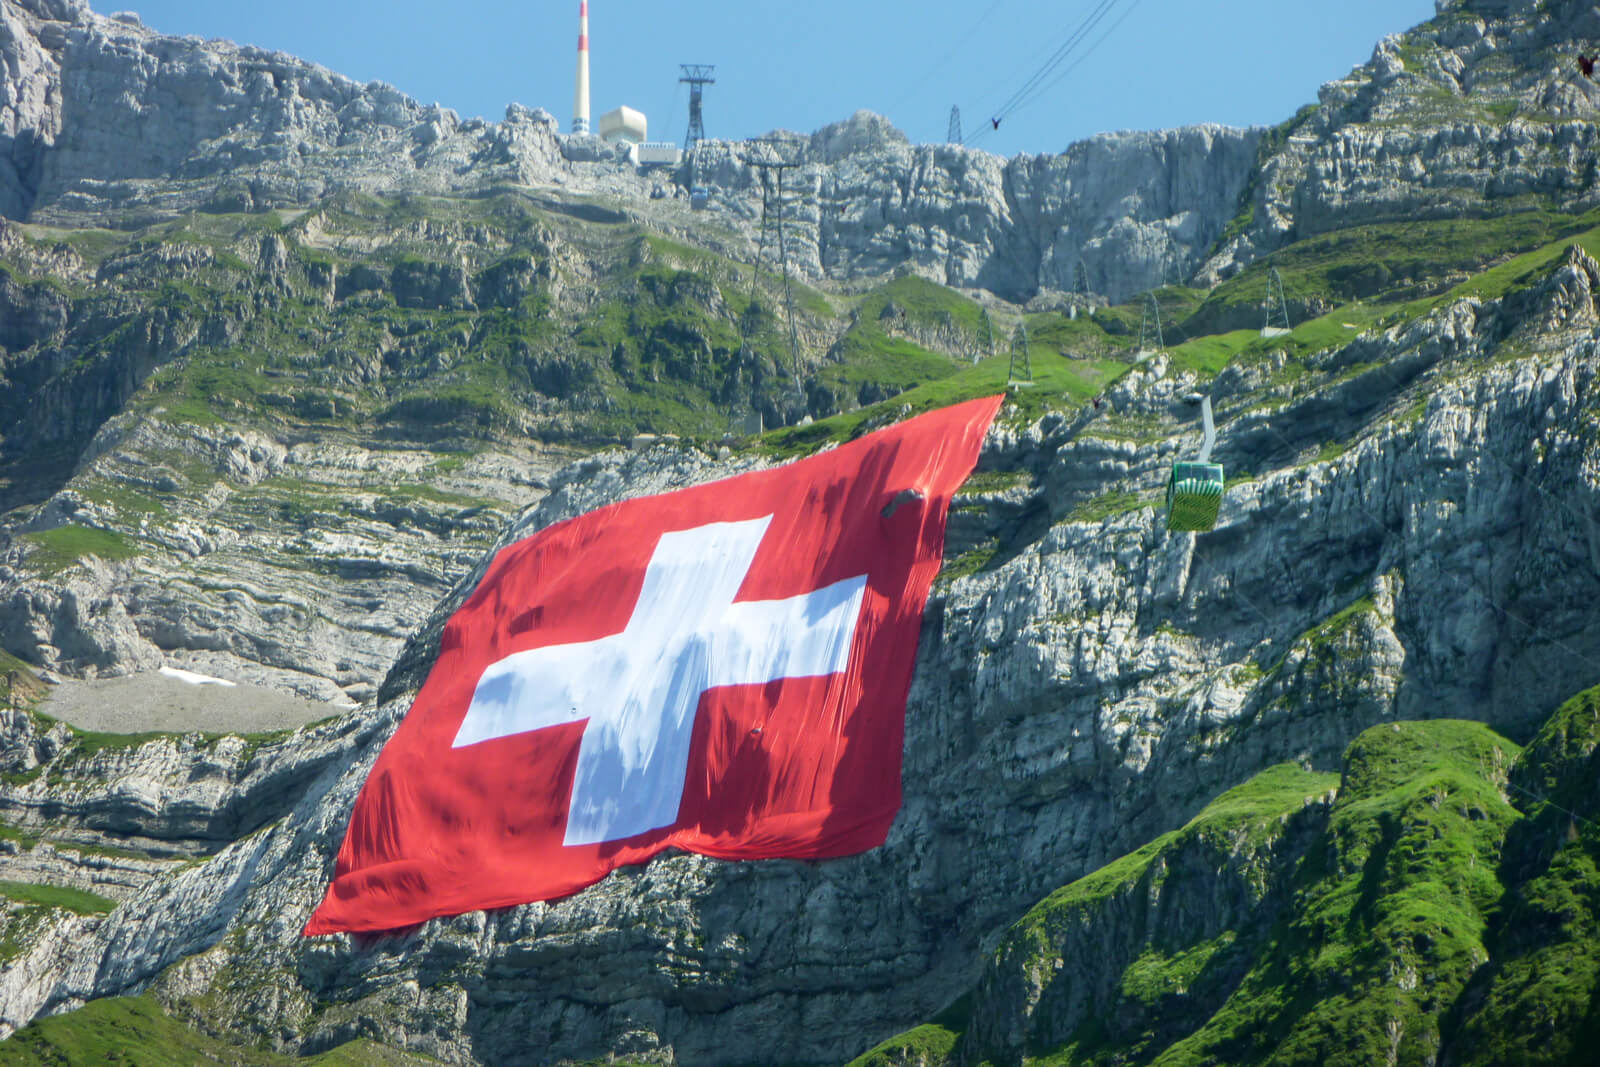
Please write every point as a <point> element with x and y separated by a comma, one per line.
<point>766,166</point>
<point>1150,329</point>
<point>1275,287</point>
<point>1021,370</point>
<point>985,346</point>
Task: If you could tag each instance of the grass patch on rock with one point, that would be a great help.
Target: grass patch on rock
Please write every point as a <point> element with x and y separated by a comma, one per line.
<point>1362,936</point>
<point>136,1032</point>
<point>1057,383</point>
<point>78,901</point>
<point>56,550</point>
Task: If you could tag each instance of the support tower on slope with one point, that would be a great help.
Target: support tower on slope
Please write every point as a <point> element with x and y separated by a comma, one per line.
<point>1149,329</point>
<point>1280,305</point>
<point>580,94</point>
<point>1021,370</point>
<point>767,165</point>
<point>697,76</point>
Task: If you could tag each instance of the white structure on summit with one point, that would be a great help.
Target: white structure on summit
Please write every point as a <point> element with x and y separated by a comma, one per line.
<point>657,153</point>
<point>580,100</point>
<point>624,124</point>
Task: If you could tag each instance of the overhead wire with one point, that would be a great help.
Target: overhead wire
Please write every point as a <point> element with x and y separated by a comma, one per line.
<point>910,88</point>
<point>1051,65</point>
<point>1201,566</point>
<point>1384,528</point>
<point>1079,61</point>
<point>1057,56</point>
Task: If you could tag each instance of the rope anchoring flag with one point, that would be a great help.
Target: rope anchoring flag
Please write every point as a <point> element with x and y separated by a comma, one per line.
<point>722,669</point>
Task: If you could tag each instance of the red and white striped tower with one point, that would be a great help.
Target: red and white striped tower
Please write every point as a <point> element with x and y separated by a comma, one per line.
<point>580,100</point>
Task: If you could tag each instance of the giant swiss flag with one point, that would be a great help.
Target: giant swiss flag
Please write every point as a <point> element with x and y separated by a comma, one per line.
<point>722,669</point>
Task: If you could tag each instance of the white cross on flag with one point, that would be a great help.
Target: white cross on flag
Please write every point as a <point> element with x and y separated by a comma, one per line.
<point>722,669</point>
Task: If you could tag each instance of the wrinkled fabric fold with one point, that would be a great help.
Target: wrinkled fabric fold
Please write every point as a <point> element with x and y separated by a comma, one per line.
<point>722,669</point>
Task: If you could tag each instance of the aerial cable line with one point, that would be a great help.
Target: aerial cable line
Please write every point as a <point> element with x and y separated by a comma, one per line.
<point>960,42</point>
<point>1383,528</point>
<point>1050,66</point>
<point>1057,57</point>
<point>1079,61</point>
<point>1031,89</point>
<point>1201,564</point>
<point>1047,58</point>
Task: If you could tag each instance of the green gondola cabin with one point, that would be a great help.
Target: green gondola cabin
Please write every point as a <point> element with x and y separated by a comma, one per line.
<point>1194,495</point>
<point>1194,492</point>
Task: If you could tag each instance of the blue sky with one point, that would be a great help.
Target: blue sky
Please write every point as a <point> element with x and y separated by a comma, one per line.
<point>799,65</point>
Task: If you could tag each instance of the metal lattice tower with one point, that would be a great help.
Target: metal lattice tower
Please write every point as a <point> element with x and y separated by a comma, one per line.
<point>1021,370</point>
<point>1150,326</point>
<point>1080,281</point>
<point>697,76</point>
<point>985,337</point>
<point>954,137</point>
<point>761,241</point>
<point>1275,287</point>
<point>767,166</point>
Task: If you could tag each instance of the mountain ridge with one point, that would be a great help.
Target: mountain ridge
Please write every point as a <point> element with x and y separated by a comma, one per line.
<point>314,424</point>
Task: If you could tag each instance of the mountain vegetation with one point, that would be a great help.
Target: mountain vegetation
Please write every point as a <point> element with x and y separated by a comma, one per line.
<point>1316,787</point>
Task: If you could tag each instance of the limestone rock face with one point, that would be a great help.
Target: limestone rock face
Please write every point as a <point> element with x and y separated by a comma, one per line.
<point>30,106</point>
<point>861,132</point>
<point>1477,112</point>
<point>309,590</point>
<point>102,116</point>
<point>289,533</point>
<point>1135,209</point>
<point>1087,684</point>
<point>1481,111</point>
<point>95,109</point>
<point>1410,534</point>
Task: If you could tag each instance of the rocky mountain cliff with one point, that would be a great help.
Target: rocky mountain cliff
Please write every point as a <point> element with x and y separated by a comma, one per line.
<point>1480,111</point>
<point>1254,795</point>
<point>1477,112</point>
<point>1090,684</point>
<point>104,118</point>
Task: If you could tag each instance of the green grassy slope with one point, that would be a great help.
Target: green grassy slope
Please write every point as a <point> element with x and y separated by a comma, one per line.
<point>1537,1001</point>
<point>135,1032</point>
<point>1073,360</point>
<point>401,342</point>
<point>365,315</point>
<point>1447,901</point>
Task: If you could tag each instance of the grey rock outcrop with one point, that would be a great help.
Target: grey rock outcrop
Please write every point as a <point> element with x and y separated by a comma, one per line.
<point>1476,112</point>
<point>1089,684</point>
<point>1481,111</point>
<point>290,532</point>
<point>103,117</point>
<point>862,132</point>
<point>1135,209</point>
<point>1412,537</point>
<point>104,111</point>
<point>309,590</point>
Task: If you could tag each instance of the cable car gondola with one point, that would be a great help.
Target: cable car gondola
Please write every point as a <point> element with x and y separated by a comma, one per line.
<point>1194,492</point>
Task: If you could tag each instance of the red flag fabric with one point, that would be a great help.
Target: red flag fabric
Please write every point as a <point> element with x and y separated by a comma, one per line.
<point>722,669</point>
